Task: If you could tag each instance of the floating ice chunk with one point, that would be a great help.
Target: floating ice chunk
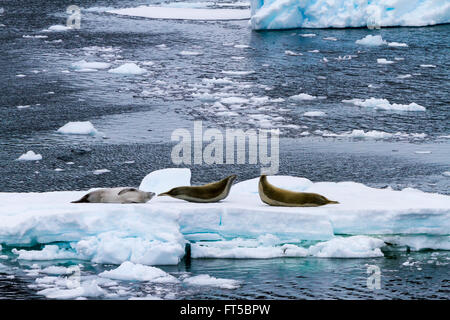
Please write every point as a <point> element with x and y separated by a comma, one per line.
<point>404,76</point>
<point>330,38</point>
<point>128,68</point>
<point>138,272</point>
<point>34,36</point>
<point>302,96</point>
<point>384,61</point>
<point>237,73</point>
<point>351,247</point>
<point>234,100</point>
<point>207,280</point>
<point>446,173</point>
<point>292,53</point>
<point>86,289</point>
<point>422,152</point>
<point>370,40</point>
<point>23,107</point>
<point>20,75</point>
<point>190,53</point>
<point>78,127</point>
<point>163,180</point>
<point>315,114</point>
<point>397,44</point>
<point>57,270</point>
<point>314,51</point>
<point>307,35</point>
<point>217,81</point>
<point>30,156</point>
<point>383,104</point>
<point>57,28</point>
<point>83,64</point>
<point>101,171</point>
<point>49,252</point>
<point>241,46</point>
<point>207,97</point>
<point>154,12</point>
<point>427,66</point>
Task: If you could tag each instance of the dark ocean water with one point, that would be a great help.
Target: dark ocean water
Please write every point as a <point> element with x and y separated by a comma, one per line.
<point>137,115</point>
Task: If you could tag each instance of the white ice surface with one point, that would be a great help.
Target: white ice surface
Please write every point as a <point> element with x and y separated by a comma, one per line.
<point>240,226</point>
<point>285,14</point>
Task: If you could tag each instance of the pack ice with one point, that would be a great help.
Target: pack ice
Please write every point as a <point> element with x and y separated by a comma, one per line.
<point>366,221</point>
<point>286,14</point>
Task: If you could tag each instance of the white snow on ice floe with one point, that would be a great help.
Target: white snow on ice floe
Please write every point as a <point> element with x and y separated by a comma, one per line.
<point>384,104</point>
<point>30,156</point>
<point>128,69</point>
<point>138,272</point>
<point>287,14</point>
<point>207,280</point>
<point>154,12</point>
<point>155,233</point>
<point>78,127</point>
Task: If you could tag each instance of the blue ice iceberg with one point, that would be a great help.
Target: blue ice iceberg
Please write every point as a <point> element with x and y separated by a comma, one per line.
<point>286,14</point>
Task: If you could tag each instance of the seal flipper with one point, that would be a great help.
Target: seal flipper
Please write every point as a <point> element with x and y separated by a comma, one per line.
<point>127,190</point>
<point>85,199</point>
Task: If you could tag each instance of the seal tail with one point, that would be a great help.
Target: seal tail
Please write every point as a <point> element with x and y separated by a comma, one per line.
<point>332,202</point>
<point>82,200</point>
<point>163,194</point>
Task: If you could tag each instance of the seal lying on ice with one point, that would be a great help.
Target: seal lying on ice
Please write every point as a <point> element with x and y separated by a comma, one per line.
<point>274,196</point>
<point>116,195</point>
<point>211,192</point>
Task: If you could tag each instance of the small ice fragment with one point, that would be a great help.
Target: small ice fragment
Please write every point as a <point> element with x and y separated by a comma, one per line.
<point>30,156</point>
<point>101,171</point>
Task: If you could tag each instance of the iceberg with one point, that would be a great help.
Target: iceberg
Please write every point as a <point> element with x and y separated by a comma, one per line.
<point>240,226</point>
<point>288,14</point>
<point>78,127</point>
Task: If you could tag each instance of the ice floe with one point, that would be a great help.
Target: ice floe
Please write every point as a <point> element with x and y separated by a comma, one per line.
<point>30,156</point>
<point>83,64</point>
<point>207,280</point>
<point>78,127</point>
<point>138,272</point>
<point>129,68</point>
<point>384,104</point>
<point>240,226</point>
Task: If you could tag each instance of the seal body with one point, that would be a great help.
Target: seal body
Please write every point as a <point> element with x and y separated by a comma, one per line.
<point>274,196</point>
<point>116,195</point>
<point>211,192</point>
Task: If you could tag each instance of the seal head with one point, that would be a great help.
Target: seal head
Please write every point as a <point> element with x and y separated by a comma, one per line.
<point>275,196</point>
<point>211,192</point>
